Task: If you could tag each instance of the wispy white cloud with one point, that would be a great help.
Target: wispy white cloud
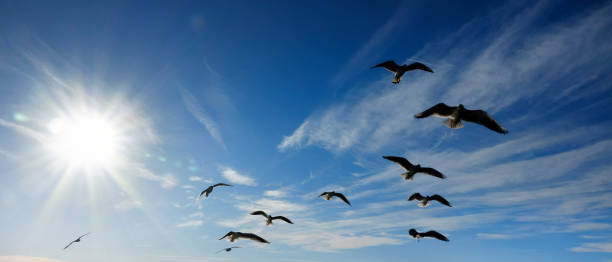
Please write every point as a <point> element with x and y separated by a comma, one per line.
<point>605,247</point>
<point>29,259</point>
<point>127,204</point>
<point>194,107</point>
<point>191,223</point>
<point>235,177</point>
<point>195,178</point>
<point>138,170</point>
<point>275,193</point>
<point>497,236</point>
<point>195,215</point>
<point>488,74</point>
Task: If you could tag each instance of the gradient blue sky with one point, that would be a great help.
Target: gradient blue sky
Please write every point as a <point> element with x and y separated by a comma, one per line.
<point>276,97</point>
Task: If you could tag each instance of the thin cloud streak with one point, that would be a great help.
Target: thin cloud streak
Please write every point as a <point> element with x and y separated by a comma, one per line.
<point>235,177</point>
<point>198,112</point>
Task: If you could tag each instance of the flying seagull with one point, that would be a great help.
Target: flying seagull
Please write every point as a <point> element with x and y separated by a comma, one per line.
<point>413,169</point>
<point>270,218</point>
<point>76,240</point>
<point>431,233</point>
<point>236,235</point>
<point>329,195</point>
<point>226,249</point>
<point>208,190</point>
<point>424,200</point>
<point>400,70</point>
<point>454,115</point>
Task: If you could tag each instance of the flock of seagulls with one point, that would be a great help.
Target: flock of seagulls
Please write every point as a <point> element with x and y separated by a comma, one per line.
<point>454,116</point>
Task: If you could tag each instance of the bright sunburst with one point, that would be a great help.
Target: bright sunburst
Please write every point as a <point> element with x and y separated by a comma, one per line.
<point>85,140</point>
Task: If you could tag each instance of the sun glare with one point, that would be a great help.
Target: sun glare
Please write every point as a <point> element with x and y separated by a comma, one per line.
<point>87,140</point>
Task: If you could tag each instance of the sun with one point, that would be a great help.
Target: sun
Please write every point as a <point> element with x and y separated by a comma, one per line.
<point>85,140</point>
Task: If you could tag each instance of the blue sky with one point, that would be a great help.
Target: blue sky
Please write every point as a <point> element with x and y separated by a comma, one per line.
<point>277,98</point>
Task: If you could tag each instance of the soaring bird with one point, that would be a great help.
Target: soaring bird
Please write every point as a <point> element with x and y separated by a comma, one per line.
<point>400,70</point>
<point>431,233</point>
<point>236,235</point>
<point>270,218</point>
<point>76,240</point>
<point>424,200</point>
<point>454,115</point>
<point>413,169</point>
<point>208,190</point>
<point>329,195</point>
<point>226,249</point>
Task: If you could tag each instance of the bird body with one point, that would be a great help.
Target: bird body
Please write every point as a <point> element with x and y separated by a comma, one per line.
<point>233,236</point>
<point>398,71</point>
<point>330,195</point>
<point>424,200</point>
<point>431,233</point>
<point>455,114</point>
<point>269,218</point>
<point>413,169</point>
<point>209,190</point>
<point>76,240</point>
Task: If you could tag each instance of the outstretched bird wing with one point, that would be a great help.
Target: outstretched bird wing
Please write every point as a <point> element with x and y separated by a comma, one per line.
<point>221,184</point>
<point>83,235</point>
<point>389,65</point>
<point>420,66</point>
<point>432,172</point>
<point>259,213</point>
<point>434,234</point>
<point>400,161</point>
<point>69,245</point>
<point>228,233</point>
<point>253,237</point>
<point>481,117</point>
<point>416,196</point>
<point>440,199</point>
<point>441,110</point>
<point>324,193</point>
<point>341,196</point>
<point>283,219</point>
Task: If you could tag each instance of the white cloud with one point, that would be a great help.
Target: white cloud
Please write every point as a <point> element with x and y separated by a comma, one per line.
<point>187,186</point>
<point>202,116</point>
<point>28,259</point>
<point>195,215</point>
<point>166,181</point>
<point>191,223</point>
<point>195,178</point>
<point>236,178</point>
<point>497,236</point>
<point>593,247</point>
<point>275,193</point>
<point>494,70</point>
<point>272,206</point>
<point>126,205</point>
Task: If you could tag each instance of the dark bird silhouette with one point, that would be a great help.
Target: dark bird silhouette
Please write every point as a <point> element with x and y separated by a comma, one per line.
<point>233,236</point>
<point>208,190</point>
<point>76,240</point>
<point>226,249</point>
<point>329,195</point>
<point>399,71</point>
<point>454,115</point>
<point>413,169</point>
<point>424,200</point>
<point>431,233</point>
<point>270,218</point>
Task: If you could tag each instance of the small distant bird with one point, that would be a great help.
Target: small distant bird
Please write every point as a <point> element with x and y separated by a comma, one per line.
<point>431,233</point>
<point>208,190</point>
<point>400,70</point>
<point>226,249</point>
<point>454,115</point>
<point>233,236</point>
<point>413,169</point>
<point>424,200</point>
<point>270,218</point>
<point>329,195</point>
<point>76,240</point>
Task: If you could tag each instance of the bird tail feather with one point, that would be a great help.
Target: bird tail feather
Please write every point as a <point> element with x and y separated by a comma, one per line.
<point>454,124</point>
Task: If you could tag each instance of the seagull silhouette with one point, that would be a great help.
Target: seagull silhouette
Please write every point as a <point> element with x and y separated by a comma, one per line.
<point>431,233</point>
<point>270,218</point>
<point>399,71</point>
<point>424,200</point>
<point>329,195</point>
<point>454,115</point>
<point>413,169</point>
<point>233,236</point>
<point>76,240</point>
<point>208,190</point>
<point>226,249</point>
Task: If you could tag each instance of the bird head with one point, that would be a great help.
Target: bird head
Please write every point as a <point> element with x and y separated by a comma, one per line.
<point>412,232</point>
<point>228,234</point>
